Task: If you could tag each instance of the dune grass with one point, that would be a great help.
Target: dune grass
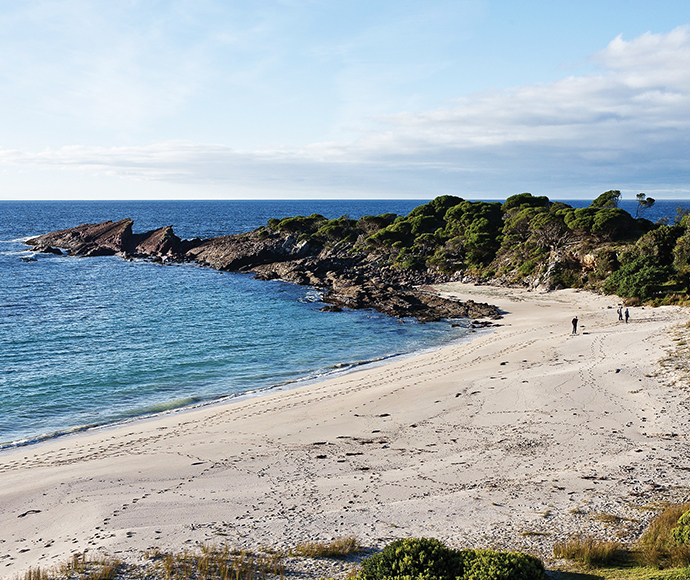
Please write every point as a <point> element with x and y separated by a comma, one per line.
<point>79,567</point>
<point>657,547</point>
<point>338,548</point>
<point>209,562</point>
<point>589,551</point>
<point>656,556</point>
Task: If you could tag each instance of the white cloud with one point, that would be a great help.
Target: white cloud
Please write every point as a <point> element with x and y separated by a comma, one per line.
<point>625,126</point>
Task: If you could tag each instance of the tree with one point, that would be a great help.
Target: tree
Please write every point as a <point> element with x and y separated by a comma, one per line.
<point>549,231</point>
<point>608,199</point>
<point>643,203</point>
<point>641,278</point>
<point>609,223</point>
<point>681,258</point>
<point>517,227</point>
<point>522,200</point>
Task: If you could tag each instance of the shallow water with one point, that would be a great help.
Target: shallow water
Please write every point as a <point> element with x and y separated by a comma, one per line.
<point>96,340</point>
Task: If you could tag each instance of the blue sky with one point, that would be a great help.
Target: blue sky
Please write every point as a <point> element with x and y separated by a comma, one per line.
<point>334,99</point>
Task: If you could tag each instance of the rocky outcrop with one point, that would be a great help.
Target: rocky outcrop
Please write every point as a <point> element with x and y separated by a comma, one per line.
<point>349,279</point>
<point>110,238</point>
<point>245,251</point>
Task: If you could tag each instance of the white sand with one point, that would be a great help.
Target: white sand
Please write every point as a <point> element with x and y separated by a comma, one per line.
<point>524,429</point>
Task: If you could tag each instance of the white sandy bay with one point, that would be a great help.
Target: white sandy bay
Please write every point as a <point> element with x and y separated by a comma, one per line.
<point>525,429</point>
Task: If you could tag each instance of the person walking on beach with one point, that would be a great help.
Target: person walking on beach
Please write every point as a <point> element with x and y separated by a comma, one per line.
<point>620,313</point>
<point>574,325</point>
<point>627,315</point>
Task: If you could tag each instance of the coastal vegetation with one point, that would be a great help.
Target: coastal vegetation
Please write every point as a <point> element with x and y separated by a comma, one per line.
<point>430,559</point>
<point>527,239</point>
<point>384,261</point>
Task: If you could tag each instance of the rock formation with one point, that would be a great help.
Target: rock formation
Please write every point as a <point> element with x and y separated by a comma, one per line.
<point>349,279</point>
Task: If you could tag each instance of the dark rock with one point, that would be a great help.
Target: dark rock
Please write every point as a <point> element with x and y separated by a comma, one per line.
<point>349,278</point>
<point>49,250</point>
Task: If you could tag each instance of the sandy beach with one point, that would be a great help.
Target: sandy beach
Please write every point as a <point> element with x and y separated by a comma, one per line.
<point>517,439</point>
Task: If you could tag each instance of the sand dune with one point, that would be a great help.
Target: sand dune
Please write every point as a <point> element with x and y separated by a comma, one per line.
<point>516,439</point>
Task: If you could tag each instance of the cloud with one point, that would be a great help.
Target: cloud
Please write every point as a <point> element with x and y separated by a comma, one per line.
<point>625,126</point>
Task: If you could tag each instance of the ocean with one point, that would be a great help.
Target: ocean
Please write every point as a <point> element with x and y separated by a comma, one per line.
<point>96,341</point>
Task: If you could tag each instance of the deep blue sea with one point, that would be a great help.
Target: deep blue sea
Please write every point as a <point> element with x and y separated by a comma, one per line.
<point>94,341</point>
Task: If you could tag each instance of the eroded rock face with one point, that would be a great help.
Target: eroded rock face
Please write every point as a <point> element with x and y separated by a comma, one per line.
<point>245,251</point>
<point>349,279</point>
<point>110,238</point>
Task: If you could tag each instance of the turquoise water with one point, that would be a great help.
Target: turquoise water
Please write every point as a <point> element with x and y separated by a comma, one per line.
<point>96,340</point>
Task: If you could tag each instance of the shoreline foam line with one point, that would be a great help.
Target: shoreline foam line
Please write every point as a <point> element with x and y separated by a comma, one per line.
<point>169,407</point>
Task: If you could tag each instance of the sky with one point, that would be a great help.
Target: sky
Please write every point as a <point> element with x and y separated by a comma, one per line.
<point>335,99</point>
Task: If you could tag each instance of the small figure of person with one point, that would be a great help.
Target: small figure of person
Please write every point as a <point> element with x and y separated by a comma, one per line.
<point>627,315</point>
<point>574,325</point>
<point>620,313</point>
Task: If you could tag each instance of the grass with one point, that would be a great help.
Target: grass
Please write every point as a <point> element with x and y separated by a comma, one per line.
<point>588,551</point>
<point>611,519</point>
<point>625,573</point>
<point>657,547</point>
<point>217,563</point>
<point>339,548</point>
<point>209,562</point>
<point>655,557</point>
<point>78,568</point>
<point>607,518</point>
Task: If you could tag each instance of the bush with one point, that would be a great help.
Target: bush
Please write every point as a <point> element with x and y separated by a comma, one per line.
<point>491,565</point>
<point>340,229</point>
<point>411,558</point>
<point>641,278</point>
<point>299,224</point>
<point>564,276</point>
<point>606,262</point>
<point>681,533</point>
<point>429,559</point>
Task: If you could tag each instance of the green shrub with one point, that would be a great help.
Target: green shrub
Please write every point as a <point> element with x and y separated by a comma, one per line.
<point>413,558</point>
<point>491,565</point>
<point>681,533</point>
<point>526,268</point>
<point>429,559</point>
<point>606,262</point>
<point>566,277</point>
<point>370,224</point>
<point>524,200</point>
<point>641,278</point>
<point>340,229</point>
<point>299,224</point>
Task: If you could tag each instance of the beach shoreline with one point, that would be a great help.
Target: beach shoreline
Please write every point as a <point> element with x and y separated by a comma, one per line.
<point>330,373</point>
<point>515,439</point>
